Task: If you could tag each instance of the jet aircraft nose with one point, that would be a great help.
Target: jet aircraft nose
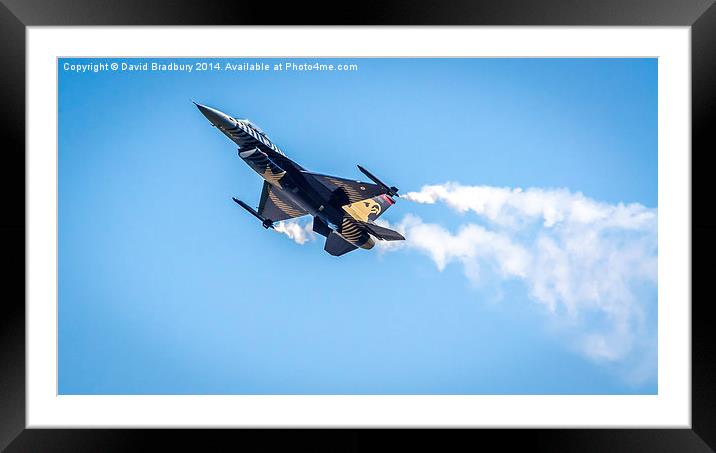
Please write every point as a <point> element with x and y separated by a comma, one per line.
<point>215,117</point>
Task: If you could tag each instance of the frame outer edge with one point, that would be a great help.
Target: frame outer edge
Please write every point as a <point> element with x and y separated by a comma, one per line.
<point>387,12</point>
<point>12,227</point>
<point>12,125</point>
<point>703,105</point>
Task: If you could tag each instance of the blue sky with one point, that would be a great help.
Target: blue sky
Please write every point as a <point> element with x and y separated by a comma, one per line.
<point>167,287</point>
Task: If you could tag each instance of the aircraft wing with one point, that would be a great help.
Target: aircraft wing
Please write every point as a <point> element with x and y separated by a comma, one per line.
<point>353,190</point>
<point>274,205</point>
<point>364,201</point>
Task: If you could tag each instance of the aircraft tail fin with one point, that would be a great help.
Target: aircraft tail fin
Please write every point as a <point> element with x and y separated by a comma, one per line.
<point>337,246</point>
<point>369,208</point>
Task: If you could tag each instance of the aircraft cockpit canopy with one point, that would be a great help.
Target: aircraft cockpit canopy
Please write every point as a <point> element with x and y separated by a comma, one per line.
<point>253,126</point>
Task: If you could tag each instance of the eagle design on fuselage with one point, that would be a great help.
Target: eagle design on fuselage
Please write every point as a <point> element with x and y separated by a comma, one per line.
<point>343,210</point>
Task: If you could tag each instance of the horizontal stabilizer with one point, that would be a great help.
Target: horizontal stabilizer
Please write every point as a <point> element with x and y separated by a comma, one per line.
<point>383,233</point>
<point>337,246</point>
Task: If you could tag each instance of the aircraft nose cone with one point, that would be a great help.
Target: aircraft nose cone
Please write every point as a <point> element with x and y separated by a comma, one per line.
<point>215,117</point>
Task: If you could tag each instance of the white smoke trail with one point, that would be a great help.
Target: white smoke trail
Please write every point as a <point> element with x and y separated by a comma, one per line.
<point>510,207</point>
<point>293,229</point>
<point>587,262</point>
<point>584,260</point>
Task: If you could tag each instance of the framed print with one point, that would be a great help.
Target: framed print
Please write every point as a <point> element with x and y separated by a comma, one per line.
<point>483,221</point>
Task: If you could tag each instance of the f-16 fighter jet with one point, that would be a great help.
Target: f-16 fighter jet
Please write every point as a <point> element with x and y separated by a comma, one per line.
<point>343,210</point>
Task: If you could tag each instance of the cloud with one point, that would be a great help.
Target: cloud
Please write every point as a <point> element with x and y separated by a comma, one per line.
<point>587,262</point>
<point>295,230</point>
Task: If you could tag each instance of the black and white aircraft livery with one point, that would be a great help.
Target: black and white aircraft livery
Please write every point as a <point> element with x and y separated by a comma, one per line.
<point>343,210</point>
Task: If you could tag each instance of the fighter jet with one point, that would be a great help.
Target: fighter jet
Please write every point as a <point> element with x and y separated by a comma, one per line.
<point>343,210</point>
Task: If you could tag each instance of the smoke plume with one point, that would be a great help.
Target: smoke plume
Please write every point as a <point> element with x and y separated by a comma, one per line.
<point>588,263</point>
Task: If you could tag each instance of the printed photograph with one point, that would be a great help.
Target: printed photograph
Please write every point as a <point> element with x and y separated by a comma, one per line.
<point>357,226</point>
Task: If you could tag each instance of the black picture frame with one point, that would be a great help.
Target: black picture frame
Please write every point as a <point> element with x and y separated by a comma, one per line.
<point>16,15</point>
